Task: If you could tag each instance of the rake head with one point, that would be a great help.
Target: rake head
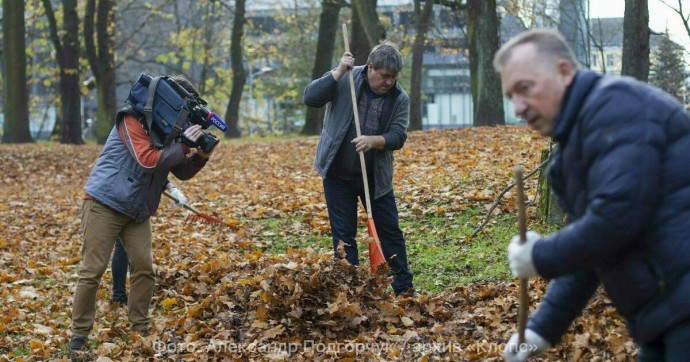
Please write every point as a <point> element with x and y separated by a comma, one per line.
<point>198,215</point>
<point>208,219</point>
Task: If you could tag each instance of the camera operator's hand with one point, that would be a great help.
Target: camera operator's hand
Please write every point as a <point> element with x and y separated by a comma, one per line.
<point>177,194</point>
<point>203,154</point>
<point>193,133</point>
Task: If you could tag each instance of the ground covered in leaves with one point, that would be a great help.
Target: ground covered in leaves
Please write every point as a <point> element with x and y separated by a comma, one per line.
<point>220,295</point>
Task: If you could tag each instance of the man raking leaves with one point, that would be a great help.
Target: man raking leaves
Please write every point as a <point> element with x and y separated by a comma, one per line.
<point>383,112</point>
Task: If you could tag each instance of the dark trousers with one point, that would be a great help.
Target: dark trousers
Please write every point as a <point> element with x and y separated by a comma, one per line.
<point>672,346</point>
<point>119,266</point>
<point>341,200</point>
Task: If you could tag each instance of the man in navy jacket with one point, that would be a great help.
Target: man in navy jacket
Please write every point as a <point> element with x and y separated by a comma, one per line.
<point>622,173</point>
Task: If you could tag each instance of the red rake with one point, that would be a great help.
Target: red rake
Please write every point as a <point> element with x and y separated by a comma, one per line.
<point>198,215</point>
<point>376,257</point>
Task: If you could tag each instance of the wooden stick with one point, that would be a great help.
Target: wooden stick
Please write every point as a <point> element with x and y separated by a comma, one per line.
<point>522,228</point>
<point>188,207</point>
<point>355,111</point>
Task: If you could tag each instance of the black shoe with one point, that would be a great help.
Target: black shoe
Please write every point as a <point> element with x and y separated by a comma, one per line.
<point>118,304</point>
<point>77,343</point>
<point>121,300</point>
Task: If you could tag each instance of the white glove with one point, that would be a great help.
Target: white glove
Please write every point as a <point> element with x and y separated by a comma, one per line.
<point>176,193</point>
<point>520,255</point>
<point>534,345</point>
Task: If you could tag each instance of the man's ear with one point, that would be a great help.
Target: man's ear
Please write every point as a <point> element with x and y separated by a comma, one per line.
<point>566,71</point>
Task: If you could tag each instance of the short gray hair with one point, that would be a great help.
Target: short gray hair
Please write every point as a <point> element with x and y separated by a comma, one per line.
<point>386,55</point>
<point>550,43</point>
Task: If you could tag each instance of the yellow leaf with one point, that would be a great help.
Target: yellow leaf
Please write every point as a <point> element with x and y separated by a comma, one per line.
<point>168,303</point>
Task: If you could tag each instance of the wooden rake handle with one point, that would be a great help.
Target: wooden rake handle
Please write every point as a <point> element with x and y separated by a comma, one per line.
<point>188,207</point>
<point>522,229</point>
<point>355,112</point>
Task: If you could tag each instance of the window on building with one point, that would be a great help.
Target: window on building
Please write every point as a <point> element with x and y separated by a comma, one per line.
<point>609,60</point>
<point>594,60</point>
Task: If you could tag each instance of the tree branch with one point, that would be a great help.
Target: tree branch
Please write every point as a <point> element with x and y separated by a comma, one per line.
<point>500,196</point>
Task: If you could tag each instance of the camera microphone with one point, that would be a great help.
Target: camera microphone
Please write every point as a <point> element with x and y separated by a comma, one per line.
<point>212,117</point>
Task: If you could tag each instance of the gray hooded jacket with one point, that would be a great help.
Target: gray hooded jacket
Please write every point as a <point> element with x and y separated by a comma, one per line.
<point>335,95</point>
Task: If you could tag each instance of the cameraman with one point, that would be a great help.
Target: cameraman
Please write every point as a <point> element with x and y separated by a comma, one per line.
<point>122,192</point>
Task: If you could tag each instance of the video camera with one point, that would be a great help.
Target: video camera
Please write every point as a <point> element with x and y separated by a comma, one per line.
<point>169,109</point>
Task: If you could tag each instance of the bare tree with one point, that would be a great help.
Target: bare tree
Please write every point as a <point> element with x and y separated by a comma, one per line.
<point>482,33</point>
<point>636,40</point>
<point>239,77</point>
<point>16,126</point>
<point>574,26</point>
<point>423,22</point>
<point>67,55</point>
<point>325,46</point>
<point>683,13</point>
<point>98,23</point>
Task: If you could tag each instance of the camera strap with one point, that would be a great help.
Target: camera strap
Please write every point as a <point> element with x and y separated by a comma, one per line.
<point>148,106</point>
<point>177,127</point>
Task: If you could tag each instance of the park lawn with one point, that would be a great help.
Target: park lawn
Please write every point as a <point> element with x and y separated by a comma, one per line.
<point>272,278</point>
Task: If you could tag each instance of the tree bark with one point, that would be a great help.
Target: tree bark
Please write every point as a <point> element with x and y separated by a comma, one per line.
<point>102,62</point>
<point>636,40</point>
<point>16,126</point>
<point>239,78</point>
<point>366,10</point>
<point>365,33</point>
<point>423,22</point>
<point>67,55</point>
<point>482,34</point>
<point>548,209</point>
<point>325,46</point>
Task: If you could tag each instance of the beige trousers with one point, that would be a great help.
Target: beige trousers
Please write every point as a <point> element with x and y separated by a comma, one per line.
<point>101,226</point>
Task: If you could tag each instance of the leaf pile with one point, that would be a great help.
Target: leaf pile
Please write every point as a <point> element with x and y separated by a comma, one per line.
<point>219,296</point>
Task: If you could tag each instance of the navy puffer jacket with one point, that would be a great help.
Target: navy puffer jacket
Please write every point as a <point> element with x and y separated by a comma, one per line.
<point>622,174</point>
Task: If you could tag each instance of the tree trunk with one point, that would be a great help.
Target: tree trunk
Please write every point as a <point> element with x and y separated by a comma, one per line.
<point>67,55</point>
<point>232,112</point>
<point>423,21</point>
<point>366,10</point>
<point>636,40</point>
<point>325,45</point>
<point>360,43</point>
<point>102,62</point>
<point>482,34</point>
<point>574,27</point>
<point>548,209</point>
<point>16,127</point>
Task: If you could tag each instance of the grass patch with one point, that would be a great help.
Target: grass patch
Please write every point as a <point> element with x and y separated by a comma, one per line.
<point>280,236</point>
<point>20,351</point>
<point>441,252</point>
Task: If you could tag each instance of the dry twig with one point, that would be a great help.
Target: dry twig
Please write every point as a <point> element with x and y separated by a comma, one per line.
<point>500,196</point>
